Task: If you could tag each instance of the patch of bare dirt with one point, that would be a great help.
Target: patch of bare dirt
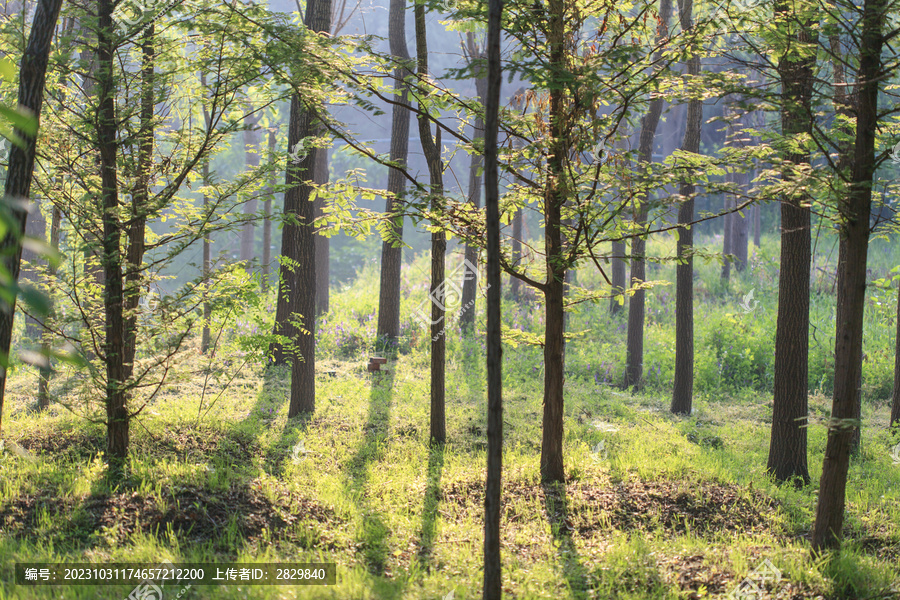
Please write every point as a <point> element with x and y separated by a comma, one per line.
<point>192,513</point>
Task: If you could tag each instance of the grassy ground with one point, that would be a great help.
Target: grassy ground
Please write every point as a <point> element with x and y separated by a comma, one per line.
<point>656,506</point>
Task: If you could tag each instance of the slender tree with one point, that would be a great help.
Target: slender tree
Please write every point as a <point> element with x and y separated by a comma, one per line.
<point>251,159</point>
<point>470,283</point>
<point>391,253</point>
<point>855,210</point>
<point>492,588</point>
<point>297,292</point>
<point>895,396</point>
<point>634,352</point>
<point>267,209</point>
<point>114,347</point>
<point>683,390</point>
<point>431,148</point>
<point>323,245</point>
<point>20,165</point>
<point>787,446</point>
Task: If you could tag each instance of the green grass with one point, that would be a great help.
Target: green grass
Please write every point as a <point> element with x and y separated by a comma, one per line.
<point>668,507</point>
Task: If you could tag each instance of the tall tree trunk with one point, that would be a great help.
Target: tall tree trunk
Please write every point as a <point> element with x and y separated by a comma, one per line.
<point>431,148</point>
<point>683,390</point>
<point>207,266</point>
<point>515,286</point>
<point>787,446</point>
<point>855,212</point>
<point>618,276</point>
<point>267,221</point>
<point>301,282</point>
<point>634,352</point>
<point>492,587</point>
<point>20,165</point>
<point>391,252</point>
<point>323,246</point>
<point>470,283</point>
<point>895,396</point>
<point>114,347</point>
<point>140,198</point>
<point>727,231</point>
<point>36,226</point>
<point>555,195</point>
<point>251,159</point>
<point>46,372</point>
<point>756,213</point>
<point>297,287</point>
<point>207,242</point>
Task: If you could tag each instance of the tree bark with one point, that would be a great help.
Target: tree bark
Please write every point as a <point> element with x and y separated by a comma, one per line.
<point>855,212</point>
<point>470,282</point>
<point>46,373</point>
<point>634,352</point>
<point>431,148</point>
<point>391,252</point>
<point>756,212</point>
<point>555,195</point>
<point>114,347</point>
<point>787,446</point>
<point>727,230</point>
<point>323,245</point>
<point>492,587</point>
<point>140,198</point>
<point>618,276</point>
<point>20,165</point>
<point>683,389</point>
<point>515,286</point>
<point>297,288</point>
<point>895,396</point>
<point>267,221</point>
<point>251,159</point>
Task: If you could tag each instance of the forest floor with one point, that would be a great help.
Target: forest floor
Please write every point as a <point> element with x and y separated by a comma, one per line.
<point>655,506</point>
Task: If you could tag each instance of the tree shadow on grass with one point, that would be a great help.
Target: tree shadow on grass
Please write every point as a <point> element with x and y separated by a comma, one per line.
<point>374,531</point>
<point>431,502</point>
<point>556,506</point>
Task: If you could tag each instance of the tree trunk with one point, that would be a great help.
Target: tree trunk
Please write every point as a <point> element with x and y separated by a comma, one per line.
<point>46,372</point>
<point>787,446</point>
<point>895,396</point>
<point>207,266</point>
<point>301,238</point>
<point>683,390</point>
<point>492,587</point>
<point>727,243</point>
<point>267,221</point>
<point>470,282</point>
<point>431,148</point>
<point>297,287</point>
<point>251,159</point>
<point>515,287</point>
<point>634,352</point>
<point>555,195</point>
<point>36,226</point>
<point>323,246</point>
<point>757,214</point>
<point>20,164</point>
<point>207,255</point>
<point>140,198</point>
<point>114,347</point>
<point>391,252</point>
<point>618,276</point>
<point>855,212</point>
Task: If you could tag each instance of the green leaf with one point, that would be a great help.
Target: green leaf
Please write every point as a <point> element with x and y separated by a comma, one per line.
<point>7,70</point>
<point>21,119</point>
